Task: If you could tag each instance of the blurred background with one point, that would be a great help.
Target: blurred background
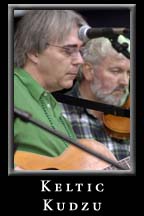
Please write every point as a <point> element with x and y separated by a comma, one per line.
<point>96,17</point>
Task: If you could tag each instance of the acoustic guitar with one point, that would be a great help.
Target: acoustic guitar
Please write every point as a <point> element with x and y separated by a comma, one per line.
<point>72,158</point>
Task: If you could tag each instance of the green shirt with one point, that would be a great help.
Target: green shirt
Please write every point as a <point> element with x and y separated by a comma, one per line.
<point>29,96</point>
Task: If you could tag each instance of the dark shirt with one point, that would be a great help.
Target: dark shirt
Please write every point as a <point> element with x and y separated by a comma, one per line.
<point>86,125</point>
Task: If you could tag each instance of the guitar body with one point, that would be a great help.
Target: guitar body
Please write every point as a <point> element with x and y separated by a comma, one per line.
<point>72,158</point>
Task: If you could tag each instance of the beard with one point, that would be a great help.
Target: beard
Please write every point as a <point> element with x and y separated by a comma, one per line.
<point>111,98</point>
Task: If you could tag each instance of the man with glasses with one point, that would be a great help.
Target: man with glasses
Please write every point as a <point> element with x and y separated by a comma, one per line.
<point>46,59</point>
<point>47,56</point>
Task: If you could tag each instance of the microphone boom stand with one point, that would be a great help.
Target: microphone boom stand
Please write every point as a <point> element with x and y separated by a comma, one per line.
<point>119,47</point>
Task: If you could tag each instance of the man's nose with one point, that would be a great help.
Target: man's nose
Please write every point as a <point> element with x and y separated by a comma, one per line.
<point>124,79</point>
<point>78,59</point>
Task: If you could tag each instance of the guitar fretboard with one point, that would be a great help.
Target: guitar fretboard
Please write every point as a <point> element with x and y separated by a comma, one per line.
<point>124,163</point>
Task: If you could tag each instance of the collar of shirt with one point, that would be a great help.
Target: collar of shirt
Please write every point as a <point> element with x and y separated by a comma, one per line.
<point>76,93</point>
<point>36,90</point>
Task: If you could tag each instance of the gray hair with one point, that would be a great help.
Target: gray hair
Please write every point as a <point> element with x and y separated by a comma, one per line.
<point>97,49</point>
<point>37,28</point>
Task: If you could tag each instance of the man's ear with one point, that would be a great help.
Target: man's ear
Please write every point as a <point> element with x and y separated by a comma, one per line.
<point>33,57</point>
<point>88,71</point>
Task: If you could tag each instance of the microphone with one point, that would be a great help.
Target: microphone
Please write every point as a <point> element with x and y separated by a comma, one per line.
<point>86,32</point>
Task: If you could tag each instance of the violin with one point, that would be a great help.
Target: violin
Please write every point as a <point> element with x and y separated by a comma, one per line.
<point>116,126</point>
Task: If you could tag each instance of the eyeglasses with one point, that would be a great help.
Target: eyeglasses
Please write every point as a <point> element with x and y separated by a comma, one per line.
<point>70,50</point>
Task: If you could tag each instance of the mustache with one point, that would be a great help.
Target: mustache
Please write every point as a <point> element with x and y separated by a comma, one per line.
<point>120,88</point>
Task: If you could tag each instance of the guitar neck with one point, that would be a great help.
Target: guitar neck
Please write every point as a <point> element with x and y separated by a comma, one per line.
<point>124,162</point>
